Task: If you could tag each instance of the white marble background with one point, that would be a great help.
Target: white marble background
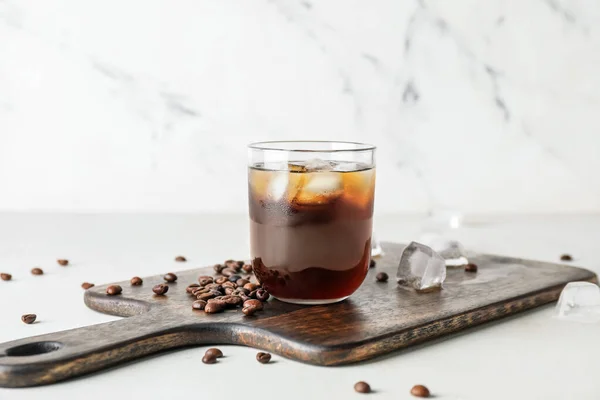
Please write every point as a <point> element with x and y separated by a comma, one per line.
<point>483,106</point>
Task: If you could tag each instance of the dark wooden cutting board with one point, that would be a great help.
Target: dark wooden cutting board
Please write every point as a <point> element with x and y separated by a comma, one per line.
<point>379,318</point>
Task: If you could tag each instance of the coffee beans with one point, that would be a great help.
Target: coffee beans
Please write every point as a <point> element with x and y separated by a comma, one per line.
<point>62,262</point>
<point>221,280</point>
<point>87,285</point>
<point>215,306</point>
<point>234,278</point>
<point>254,303</point>
<point>5,277</point>
<point>28,318</point>
<point>381,277</point>
<point>136,281</point>
<point>241,282</point>
<point>228,272</point>
<point>229,284</point>
<point>180,259</point>
<point>37,271</point>
<point>247,268</point>
<point>362,387</point>
<point>566,257</point>
<point>170,277</point>
<point>372,264</point>
<point>249,310</point>
<point>160,289</point>
<point>114,290</point>
<point>251,286</point>
<point>263,358</point>
<point>191,288</point>
<point>471,267</point>
<point>205,280</point>
<point>214,352</point>
<point>209,359</point>
<point>218,268</point>
<point>199,305</point>
<point>208,295</point>
<point>419,391</point>
<point>262,295</point>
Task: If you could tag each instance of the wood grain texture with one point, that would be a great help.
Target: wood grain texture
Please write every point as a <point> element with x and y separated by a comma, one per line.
<point>379,318</point>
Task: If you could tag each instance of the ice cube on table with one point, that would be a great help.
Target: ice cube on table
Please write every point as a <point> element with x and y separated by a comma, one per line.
<point>451,250</point>
<point>421,268</point>
<point>579,301</point>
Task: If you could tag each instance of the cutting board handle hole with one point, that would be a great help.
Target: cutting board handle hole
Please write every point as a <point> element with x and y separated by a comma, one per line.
<point>33,349</point>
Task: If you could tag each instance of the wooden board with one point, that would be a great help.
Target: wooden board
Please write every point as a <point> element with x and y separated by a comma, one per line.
<point>378,319</point>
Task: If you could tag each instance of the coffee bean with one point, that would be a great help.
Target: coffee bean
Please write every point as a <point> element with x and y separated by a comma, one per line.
<point>63,262</point>
<point>160,289</point>
<point>199,291</point>
<point>209,359</point>
<point>214,306</point>
<point>471,267</point>
<point>114,290</point>
<point>209,295</point>
<point>419,391</point>
<point>170,277</point>
<point>239,291</point>
<point>381,277</point>
<point>241,282</point>
<point>262,295</point>
<point>252,294</point>
<point>228,272</point>
<point>244,297</point>
<point>28,318</point>
<point>214,286</point>
<point>37,271</point>
<point>230,263</point>
<point>214,352</point>
<point>247,268</point>
<point>240,264</point>
<point>136,281</point>
<point>222,279</point>
<point>205,281</point>
<point>566,257</point>
<point>191,287</point>
<point>5,277</point>
<point>180,259</point>
<point>234,278</point>
<point>229,290</point>
<point>87,285</point>
<point>232,301</point>
<point>249,310</point>
<point>372,264</point>
<point>253,302</point>
<point>263,358</point>
<point>199,305</point>
<point>218,268</point>
<point>229,284</point>
<point>362,387</point>
<point>251,286</point>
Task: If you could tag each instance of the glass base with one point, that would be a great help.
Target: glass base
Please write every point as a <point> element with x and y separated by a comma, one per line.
<point>311,302</point>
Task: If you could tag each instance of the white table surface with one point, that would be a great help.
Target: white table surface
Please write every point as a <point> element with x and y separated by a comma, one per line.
<point>533,356</point>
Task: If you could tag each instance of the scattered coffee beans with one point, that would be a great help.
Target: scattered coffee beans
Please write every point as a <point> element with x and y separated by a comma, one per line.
<point>215,306</point>
<point>205,280</point>
<point>241,282</point>
<point>247,268</point>
<point>191,287</point>
<point>218,268</point>
<point>228,272</point>
<point>114,290</point>
<point>221,279</point>
<point>214,352</point>
<point>209,359</point>
<point>249,310</point>
<point>160,289</point>
<point>136,281</point>
<point>419,391</point>
<point>251,286</point>
<point>87,285</point>
<point>263,358</point>
<point>28,318</point>
<point>37,271</point>
<point>62,262</point>
<point>372,264</point>
<point>199,305</point>
<point>381,277</point>
<point>180,259</point>
<point>566,257</point>
<point>471,267</point>
<point>170,277</point>
<point>362,387</point>
<point>5,277</point>
<point>262,295</point>
<point>240,264</point>
<point>254,303</point>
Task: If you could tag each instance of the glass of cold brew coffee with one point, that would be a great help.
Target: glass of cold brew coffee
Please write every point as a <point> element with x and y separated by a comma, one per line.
<point>311,217</point>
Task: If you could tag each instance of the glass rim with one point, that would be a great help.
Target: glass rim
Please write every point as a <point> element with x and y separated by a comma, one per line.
<point>280,145</point>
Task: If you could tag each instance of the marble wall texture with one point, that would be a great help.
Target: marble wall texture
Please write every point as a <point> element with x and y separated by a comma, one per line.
<point>129,105</point>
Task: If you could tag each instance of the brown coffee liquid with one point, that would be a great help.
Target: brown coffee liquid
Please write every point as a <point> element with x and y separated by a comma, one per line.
<point>311,231</point>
